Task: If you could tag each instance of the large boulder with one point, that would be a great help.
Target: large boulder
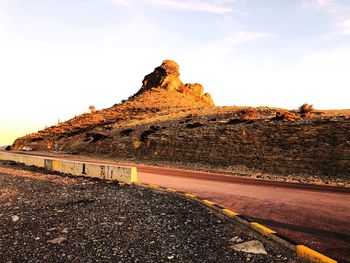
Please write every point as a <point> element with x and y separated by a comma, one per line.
<point>167,76</point>
<point>195,89</point>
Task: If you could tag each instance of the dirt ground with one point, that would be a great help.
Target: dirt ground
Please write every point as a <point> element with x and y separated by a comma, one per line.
<point>46,217</point>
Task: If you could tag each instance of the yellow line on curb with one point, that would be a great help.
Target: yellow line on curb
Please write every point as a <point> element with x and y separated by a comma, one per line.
<point>208,203</point>
<point>170,190</point>
<point>153,186</point>
<point>312,255</point>
<point>191,196</point>
<point>137,183</point>
<point>265,230</point>
<point>229,212</point>
<point>133,176</point>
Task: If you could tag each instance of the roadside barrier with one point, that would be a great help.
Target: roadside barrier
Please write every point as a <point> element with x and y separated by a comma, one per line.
<point>103,171</point>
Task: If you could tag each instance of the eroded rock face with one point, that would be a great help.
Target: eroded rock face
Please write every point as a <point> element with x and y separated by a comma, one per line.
<point>167,76</point>
<point>170,67</point>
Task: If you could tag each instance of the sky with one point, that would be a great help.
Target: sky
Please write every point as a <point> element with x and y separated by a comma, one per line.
<point>57,57</point>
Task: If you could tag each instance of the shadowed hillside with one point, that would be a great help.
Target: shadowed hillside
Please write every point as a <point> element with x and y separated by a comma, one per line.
<point>167,121</point>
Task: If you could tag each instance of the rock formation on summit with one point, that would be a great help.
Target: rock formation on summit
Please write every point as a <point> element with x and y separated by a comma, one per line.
<point>167,76</point>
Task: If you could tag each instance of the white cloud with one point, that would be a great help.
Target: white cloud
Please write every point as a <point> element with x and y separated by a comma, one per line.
<point>232,40</point>
<point>324,3</point>
<point>216,7</point>
<point>344,27</point>
<point>338,12</point>
<point>210,6</point>
<point>123,2</point>
<point>241,37</point>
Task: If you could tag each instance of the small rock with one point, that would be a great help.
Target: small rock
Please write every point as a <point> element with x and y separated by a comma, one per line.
<point>170,257</point>
<point>253,246</point>
<point>57,240</point>
<point>236,239</point>
<point>15,218</point>
<point>64,230</point>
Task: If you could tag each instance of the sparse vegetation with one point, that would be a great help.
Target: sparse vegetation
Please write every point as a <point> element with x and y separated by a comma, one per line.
<point>248,114</point>
<point>92,108</point>
<point>245,115</point>
<point>284,115</point>
<point>306,110</point>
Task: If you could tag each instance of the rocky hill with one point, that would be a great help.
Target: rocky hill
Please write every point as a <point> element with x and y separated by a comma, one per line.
<point>167,121</point>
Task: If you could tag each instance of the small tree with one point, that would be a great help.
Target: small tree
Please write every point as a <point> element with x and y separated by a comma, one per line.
<point>92,108</point>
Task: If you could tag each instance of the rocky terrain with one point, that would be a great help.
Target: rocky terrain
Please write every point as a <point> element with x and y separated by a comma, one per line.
<point>54,218</point>
<point>175,123</point>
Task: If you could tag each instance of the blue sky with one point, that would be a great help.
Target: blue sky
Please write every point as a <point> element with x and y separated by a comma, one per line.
<point>60,56</point>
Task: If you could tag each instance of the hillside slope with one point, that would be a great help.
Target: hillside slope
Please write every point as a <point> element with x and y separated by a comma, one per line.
<point>171,122</point>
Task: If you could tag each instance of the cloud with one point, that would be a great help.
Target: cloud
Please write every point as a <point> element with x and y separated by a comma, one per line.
<point>324,3</point>
<point>338,12</point>
<point>344,27</point>
<point>239,37</point>
<point>229,45</point>
<point>123,2</point>
<point>215,7</point>
<point>210,6</point>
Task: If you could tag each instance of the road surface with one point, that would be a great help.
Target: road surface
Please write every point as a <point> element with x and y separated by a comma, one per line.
<point>317,216</point>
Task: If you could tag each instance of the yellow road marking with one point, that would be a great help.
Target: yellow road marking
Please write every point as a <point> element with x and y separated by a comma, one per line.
<point>229,212</point>
<point>265,230</point>
<point>312,255</point>
<point>208,203</point>
<point>153,186</point>
<point>190,196</point>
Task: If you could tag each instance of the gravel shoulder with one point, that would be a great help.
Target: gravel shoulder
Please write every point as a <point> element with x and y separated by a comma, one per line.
<point>47,217</point>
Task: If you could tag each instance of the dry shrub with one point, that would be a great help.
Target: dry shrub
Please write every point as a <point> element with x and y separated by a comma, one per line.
<point>248,114</point>
<point>284,115</point>
<point>92,108</point>
<point>306,110</point>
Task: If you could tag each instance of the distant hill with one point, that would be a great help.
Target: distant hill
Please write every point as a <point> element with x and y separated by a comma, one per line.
<point>167,121</point>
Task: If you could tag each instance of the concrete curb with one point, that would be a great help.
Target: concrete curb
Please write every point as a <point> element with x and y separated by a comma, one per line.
<point>103,171</point>
<point>303,253</point>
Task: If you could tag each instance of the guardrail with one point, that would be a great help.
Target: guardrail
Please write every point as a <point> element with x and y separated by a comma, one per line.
<point>122,174</point>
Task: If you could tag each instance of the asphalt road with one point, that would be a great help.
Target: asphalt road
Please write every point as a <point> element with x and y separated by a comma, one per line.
<point>317,216</point>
